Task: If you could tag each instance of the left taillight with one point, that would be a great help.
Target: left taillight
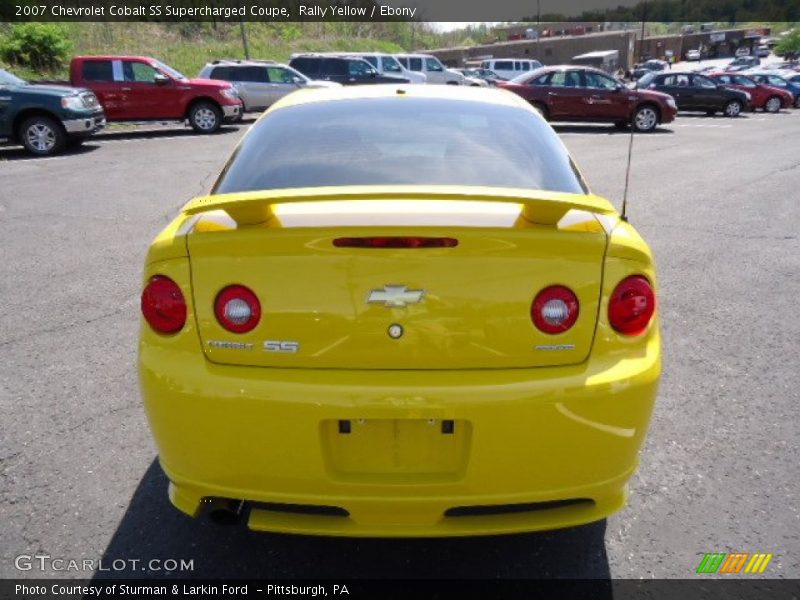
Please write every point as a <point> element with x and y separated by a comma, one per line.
<point>163,305</point>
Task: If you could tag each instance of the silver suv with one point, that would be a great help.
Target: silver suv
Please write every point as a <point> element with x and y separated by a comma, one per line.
<point>260,83</point>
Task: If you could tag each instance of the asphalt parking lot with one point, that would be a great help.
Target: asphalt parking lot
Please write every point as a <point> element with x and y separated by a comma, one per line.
<point>717,199</point>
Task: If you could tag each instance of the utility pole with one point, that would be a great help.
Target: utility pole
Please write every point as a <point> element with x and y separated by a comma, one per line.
<point>641,41</point>
<point>244,35</point>
<point>539,31</point>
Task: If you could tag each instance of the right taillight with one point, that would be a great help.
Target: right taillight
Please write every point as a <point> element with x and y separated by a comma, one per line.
<point>163,305</point>
<point>632,305</point>
<point>237,308</point>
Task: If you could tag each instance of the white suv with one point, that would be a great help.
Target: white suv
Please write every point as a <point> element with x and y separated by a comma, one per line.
<point>511,67</point>
<point>260,83</point>
<point>431,67</point>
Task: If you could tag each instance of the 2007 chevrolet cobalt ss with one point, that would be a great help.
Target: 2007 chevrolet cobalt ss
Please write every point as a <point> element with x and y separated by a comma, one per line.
<point>400,312</point>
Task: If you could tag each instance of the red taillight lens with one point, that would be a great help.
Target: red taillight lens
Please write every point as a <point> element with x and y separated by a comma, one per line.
<point>395,242</point>
<point>163,305</point>
<point>555,309</point>
<point>237,309</point>
<point>632,305</point>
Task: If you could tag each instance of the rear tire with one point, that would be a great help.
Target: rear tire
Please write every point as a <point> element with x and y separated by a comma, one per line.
<point>205,117</point>
<point>733,109</point>
<point>772,105</point>
<point>645,119</point>
<point>42,135</point>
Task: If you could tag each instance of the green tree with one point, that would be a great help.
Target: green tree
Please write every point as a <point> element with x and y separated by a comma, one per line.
<point>39,46</point>
<point>789,45</point>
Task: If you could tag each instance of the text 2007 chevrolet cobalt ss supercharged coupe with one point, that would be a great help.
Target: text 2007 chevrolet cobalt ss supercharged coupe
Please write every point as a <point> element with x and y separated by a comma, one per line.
<point>400,312</point>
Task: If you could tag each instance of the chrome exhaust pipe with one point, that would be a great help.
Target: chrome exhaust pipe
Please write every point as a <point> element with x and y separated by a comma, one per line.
<point>224,511</point>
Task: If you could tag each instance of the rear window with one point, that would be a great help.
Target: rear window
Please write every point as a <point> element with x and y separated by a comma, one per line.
<point>98,70</point>
<point>387,141</point>
<point>307,66</point>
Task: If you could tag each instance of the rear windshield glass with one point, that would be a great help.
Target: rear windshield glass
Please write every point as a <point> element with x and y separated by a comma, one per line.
<point>400,141</point>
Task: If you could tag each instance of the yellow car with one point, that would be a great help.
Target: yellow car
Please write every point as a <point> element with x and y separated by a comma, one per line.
<point>399,312</point>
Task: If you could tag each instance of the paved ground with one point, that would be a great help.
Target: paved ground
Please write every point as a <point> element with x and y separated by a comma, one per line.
<point>718,201</point>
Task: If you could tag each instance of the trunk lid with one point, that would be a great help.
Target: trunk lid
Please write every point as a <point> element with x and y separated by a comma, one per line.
<point>463,307</point>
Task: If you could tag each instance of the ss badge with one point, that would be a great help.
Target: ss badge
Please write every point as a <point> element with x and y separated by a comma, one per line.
<point>284,346</point>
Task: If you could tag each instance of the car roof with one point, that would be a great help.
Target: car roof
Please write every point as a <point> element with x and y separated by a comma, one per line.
<point>237,62</point>
<point>492,96</point>
<point>115,57</point>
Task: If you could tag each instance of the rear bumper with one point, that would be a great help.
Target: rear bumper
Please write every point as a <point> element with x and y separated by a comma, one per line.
<point>521,436</point>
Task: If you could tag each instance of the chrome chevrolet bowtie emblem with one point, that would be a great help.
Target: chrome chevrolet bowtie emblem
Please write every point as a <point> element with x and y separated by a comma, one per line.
<point>395,296</point>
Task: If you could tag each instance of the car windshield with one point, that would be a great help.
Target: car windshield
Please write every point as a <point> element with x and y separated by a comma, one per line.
<point>168,70</point>
<point>384,141</point>
<point>647,78</point>
<point>525,77</point>
<point>7,78</point>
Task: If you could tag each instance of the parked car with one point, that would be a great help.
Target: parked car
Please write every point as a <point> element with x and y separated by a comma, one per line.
<point>396,359</point>
<point>46,118</point>
<point>778,81</point>
<point>742,52</point>
<point>696,92</point>
<point>140,88</point>
<point>347,70</point>
<point>572,93</point>
<point>510,68</point>
<point>693,54</point>
<point>649,66</point>
<point>473,81</point>
<point>486,74</point>
<point>743,62</point>
<point>431,67</point>
<point>260,83</point>
<point>389,65</point>
<point>767,97</point>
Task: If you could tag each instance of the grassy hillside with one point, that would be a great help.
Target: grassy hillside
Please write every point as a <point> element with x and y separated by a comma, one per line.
<point>188,46</point>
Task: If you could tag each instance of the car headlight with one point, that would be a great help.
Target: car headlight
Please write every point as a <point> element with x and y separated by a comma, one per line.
<point>231,93</point>
<point>72,103</point>
<point>671,103</point>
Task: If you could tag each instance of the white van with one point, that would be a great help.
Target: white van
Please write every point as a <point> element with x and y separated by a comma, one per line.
<point>431,67</point>
<point>510,67</point>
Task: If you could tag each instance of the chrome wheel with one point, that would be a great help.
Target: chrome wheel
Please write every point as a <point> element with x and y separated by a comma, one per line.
<point>40,137</point>
<point>205,119</point>
<point>773,104</point>
<point>733,108</point>
<point>646,119</point>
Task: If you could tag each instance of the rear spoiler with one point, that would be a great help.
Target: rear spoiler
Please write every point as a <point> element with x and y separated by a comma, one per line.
<point>252,208</point>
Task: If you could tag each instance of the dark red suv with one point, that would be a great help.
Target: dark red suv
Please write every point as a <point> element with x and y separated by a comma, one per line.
<point>574,93</point>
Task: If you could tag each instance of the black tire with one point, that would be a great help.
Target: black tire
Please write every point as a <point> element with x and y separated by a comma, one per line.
<point>646,118</point>
<point>205,117</point>
<point>732,109</point>
<point>772,105</point>
<point>42,135</point>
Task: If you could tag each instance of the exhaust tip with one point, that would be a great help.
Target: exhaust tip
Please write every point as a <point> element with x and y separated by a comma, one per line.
<point>224,511</point>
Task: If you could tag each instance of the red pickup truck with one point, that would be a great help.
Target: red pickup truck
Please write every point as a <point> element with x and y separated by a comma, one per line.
<point>140,88</point>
